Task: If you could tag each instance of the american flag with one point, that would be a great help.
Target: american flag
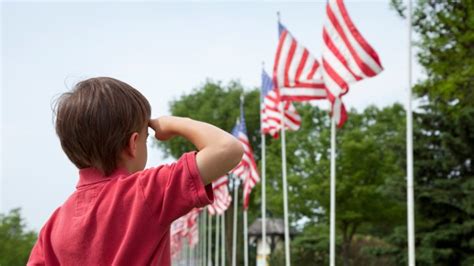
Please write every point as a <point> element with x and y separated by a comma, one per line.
<point>295,71</point>
<point>247,168</point>
<point>192,226</point>
<point>185,227</point>
<point>270,109</point>
<point>347,57</point>
<point>178,229</point>
<point>222,198</point>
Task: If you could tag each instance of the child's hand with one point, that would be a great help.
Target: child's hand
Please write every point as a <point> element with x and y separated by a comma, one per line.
<point>162,127</point>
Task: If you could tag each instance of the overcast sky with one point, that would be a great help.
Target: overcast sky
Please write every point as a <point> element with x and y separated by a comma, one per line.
<point>162,49</point>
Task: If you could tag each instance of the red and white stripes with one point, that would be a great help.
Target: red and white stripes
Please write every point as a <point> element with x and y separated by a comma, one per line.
<point>271,113</point>
<point>222,198</point>
<point>295,71</point>
<point>347,57</point>
<point>271,116</point>
<point>185,227</point>
<point>247,168</point>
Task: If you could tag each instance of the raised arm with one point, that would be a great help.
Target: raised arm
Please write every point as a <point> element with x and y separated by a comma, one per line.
<point>219,151</point>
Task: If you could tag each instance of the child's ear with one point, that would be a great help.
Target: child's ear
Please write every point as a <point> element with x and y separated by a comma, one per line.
<point>132,145</point>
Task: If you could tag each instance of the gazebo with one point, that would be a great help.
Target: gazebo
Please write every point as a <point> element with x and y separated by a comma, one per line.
<point>275,231</point>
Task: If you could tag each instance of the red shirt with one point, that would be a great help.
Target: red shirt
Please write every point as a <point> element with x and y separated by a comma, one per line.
<point>121,219</point>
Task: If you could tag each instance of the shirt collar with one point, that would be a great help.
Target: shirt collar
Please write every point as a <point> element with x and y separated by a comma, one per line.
<point>89,176</point>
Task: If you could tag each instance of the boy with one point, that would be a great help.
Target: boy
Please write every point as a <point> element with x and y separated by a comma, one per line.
<point>121,214</point>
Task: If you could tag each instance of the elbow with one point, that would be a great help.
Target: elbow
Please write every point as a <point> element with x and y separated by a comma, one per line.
<point>236,152</point>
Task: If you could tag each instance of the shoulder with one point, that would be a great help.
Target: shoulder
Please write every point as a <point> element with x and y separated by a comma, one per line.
<point>187,162</point>
<point>49,224</point>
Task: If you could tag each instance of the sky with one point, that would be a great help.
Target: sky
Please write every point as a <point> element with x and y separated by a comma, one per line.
<point>165,50</point>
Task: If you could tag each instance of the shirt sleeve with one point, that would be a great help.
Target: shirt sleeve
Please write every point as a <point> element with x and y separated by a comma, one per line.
<point>173,190</point>
<point>37,255</point>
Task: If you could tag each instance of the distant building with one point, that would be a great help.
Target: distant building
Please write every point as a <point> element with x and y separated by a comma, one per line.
<point>275,237</point>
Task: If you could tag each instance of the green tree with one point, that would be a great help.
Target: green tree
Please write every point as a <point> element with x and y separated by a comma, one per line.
<point>216,104</point>
<point>15,241</point>
<point>369,151</point>
<point>368,163</point>
<point>444,135</point>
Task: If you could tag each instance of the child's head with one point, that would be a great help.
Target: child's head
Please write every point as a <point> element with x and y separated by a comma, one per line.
<point>103,123</point>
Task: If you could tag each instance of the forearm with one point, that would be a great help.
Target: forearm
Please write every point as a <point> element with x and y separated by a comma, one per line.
<point>201,134</point>
<point>219,151</point>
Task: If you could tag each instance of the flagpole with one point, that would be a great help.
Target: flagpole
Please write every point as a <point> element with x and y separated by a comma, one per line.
<point>285,187</point>
<point>179,256</point>
<point>410,193</point>
<point>181,250</point>
<point>209,240</point>
<point>264,202</point>
<point>264,207</point>
<point>332,241</point>
<point>202,238</point>
<point>184,250</point>
<point>217,236</point>
<point>246,251</point>
<point>200,241</point>
<point>204,248</point>
<point>190,254</point>
<point>223,240</point>
<point>246,244</point>
<point>234,229</point>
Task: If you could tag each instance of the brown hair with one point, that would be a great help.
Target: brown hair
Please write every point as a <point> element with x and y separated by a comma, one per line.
<point>95,120</point>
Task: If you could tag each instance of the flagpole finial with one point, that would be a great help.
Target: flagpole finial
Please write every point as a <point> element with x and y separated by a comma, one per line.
<point>278,16</point>
<point>263,64</point>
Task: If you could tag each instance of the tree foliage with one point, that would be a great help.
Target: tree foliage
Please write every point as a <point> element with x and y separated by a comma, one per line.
<point>16,241</point>
<point>369,150</point>
<point>216,104</point>
<point>445,174</point>
<point>371,189</point>
<point>444,135</point>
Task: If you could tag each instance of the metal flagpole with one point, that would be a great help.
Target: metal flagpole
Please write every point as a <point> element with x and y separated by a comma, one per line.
<point>180,260</point>
<point>198,246</point>
<point>190,254</point>
<point>223,240</point>
<point>246,244</point>
<point>183,252</point>
<point>332,241</point>
<point>186,253</point>
<point>199,243</point>
<point>264,203</point>
<point>285,187</point>
<point>180,254</point>
<point>264,207</point>
<point>204,239</point>
<point>410,196</point>
<point>234,229</point>
<point>217,236</point>
<point>209,240</point>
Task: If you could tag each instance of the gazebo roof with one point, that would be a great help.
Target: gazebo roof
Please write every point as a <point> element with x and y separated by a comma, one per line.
<point>275,226</point>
